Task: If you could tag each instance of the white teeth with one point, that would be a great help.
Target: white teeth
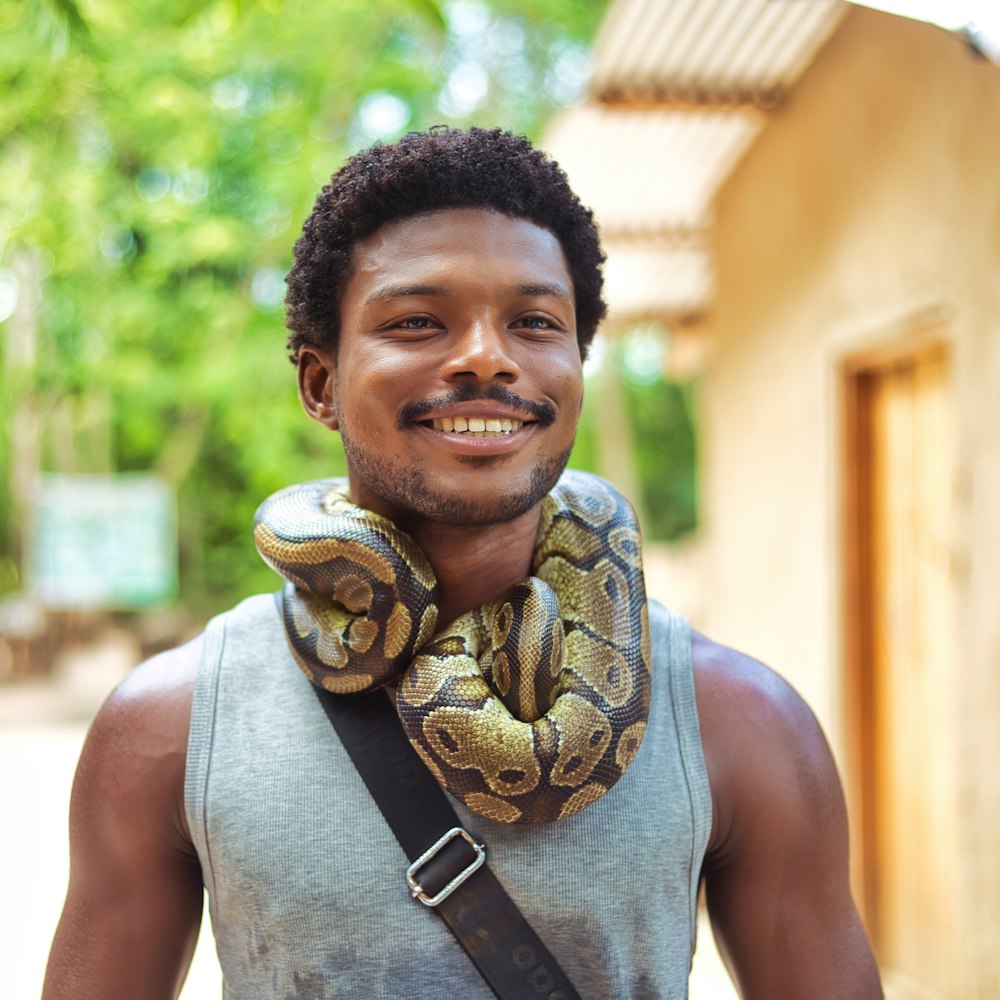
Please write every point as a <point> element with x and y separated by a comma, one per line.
<point>479,426</point>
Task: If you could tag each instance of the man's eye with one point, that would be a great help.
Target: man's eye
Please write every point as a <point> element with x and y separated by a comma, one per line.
<point>415,323</point>
<point>536,322</point>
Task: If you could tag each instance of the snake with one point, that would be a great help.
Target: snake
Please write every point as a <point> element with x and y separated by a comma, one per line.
<point>526,709</point>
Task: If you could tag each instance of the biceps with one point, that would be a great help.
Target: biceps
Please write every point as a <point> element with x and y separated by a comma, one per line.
<point>130,938</point>
<point>133,908</point>
<point>792,949</point>
<point>783,914</point>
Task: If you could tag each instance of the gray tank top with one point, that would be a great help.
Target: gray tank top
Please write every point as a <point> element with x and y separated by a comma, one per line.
<point>306,882</point>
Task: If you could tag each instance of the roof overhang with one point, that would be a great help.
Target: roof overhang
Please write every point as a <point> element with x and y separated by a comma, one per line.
<point>679,91</point>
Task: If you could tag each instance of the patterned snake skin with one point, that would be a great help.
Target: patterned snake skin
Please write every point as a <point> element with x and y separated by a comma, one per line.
<point>526,709</point>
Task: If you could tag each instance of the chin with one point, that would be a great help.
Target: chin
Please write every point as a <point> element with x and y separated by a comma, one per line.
<point>498,494</point>
<point>449,504</point>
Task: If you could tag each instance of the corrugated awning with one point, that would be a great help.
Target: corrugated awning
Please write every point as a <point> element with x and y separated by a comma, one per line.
<point>649,171</point>
<point>679,91</point>
<point>713,52</point>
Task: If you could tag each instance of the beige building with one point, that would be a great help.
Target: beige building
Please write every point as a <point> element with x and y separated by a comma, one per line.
<point>839,273</point>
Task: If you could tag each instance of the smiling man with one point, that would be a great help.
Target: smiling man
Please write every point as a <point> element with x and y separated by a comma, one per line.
<point>444,293</point>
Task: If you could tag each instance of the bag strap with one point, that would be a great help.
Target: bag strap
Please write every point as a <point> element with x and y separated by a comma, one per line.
<point>485,920</point>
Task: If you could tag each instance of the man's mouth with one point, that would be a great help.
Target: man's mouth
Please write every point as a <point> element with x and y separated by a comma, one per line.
<point>477,426</point>
<point>481,421</point>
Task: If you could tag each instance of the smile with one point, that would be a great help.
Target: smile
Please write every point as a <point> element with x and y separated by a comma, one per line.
<point>477,426</point>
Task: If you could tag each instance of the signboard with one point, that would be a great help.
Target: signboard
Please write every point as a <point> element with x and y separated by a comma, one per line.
<point>103,542</point>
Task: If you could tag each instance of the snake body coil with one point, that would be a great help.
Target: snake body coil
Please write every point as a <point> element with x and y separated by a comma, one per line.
<point>528,708</point>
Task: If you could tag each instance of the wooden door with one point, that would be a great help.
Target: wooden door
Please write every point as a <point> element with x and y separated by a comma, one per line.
<point>903,671</point>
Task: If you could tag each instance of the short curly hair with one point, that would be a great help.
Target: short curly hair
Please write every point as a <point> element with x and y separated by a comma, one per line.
<point>426,172</point>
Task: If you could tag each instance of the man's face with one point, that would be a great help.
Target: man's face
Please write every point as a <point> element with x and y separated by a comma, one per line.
<point>457,383</point>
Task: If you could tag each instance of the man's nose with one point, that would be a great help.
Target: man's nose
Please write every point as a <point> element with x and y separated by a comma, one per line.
<point>482,351</point>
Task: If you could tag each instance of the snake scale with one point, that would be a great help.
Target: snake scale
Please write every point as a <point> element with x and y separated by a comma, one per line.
<point>526,709</point>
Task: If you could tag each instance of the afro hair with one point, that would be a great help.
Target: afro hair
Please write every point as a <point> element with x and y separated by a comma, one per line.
<point>427,172</point>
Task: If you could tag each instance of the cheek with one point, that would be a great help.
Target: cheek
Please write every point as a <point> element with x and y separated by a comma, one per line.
<point>356,411</point>
<point>370,384</point>
<point>566,380</point>
<point>388,377</point>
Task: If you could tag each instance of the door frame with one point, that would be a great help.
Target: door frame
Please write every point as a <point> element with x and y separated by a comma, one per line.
<point>859,697</point>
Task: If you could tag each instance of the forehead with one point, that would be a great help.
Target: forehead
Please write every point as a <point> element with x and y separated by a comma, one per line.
<point>460,246</point>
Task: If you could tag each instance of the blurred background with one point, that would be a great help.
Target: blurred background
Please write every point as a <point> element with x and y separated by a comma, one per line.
<point>797,384</point>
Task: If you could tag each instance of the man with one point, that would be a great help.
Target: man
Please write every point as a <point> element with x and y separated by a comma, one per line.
<point>444,292</point>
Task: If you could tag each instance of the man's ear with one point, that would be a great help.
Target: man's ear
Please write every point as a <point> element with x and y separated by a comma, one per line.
<point>317,381</point>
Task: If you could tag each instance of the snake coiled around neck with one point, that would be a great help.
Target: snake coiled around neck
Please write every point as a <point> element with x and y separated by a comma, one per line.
<point>526,709</point>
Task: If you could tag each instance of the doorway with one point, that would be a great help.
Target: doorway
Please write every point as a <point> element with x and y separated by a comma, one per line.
<point>901,669</point>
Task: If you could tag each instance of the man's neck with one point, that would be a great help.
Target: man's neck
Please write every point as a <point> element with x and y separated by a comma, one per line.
<point>474,565</point>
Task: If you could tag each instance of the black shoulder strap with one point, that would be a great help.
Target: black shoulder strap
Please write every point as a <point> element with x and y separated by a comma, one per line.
<point>485,920</point>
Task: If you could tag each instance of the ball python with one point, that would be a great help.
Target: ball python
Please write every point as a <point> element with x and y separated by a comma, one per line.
<point>526,709</point>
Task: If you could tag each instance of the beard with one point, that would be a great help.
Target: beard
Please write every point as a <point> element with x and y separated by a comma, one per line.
<point>407,490</point>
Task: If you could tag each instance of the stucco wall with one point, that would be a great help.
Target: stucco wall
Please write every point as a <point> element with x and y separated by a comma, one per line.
<point>869,207</point>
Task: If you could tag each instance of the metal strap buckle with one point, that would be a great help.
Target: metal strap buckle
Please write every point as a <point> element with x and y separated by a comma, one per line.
<point>417,890</point>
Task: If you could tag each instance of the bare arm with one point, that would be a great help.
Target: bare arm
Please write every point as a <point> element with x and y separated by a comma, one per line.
<point>133,908</point>
<point>777,866</point>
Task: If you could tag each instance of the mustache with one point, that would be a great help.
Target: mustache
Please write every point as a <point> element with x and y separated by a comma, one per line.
<point>544,413</point>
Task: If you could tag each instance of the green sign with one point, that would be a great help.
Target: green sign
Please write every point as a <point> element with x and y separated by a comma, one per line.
<point>103,542</point>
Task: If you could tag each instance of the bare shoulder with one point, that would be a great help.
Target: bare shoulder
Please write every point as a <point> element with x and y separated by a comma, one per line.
<point>776,869</point>
<point>161,685</point>
<point>150,710</point>
<point>136,749</point>
<point>133,906</point>
<point>767,758</point>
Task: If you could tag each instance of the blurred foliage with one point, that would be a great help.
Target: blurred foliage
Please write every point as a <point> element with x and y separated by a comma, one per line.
<point>664,441</point>
<point>660,414</point>
<point>156,163</point>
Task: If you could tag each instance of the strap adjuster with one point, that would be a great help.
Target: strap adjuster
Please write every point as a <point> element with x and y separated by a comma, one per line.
<point>417,890</point>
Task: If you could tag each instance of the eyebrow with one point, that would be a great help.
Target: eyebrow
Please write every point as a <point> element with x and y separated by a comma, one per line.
<point>392,292</point>
<point>557,290</point>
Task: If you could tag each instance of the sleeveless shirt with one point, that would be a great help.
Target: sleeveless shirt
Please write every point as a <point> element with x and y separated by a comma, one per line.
<point>306,882</point>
